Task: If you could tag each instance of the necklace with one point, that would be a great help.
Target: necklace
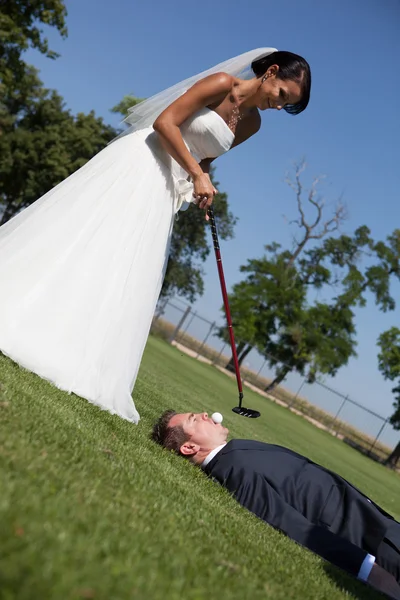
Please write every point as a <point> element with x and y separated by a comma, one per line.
<point>234,119</point>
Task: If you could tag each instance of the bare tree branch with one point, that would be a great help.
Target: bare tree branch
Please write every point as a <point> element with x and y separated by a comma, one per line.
<point>332,224</point>
<point>311,230</point>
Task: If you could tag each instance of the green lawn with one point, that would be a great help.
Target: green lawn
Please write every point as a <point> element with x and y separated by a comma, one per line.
<point>91,508</point>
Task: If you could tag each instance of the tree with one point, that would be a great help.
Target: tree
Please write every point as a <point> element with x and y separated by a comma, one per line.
<point>126,103</point>
<point>382,260</point>
<point>19,26</point>
<point>324,338</point>
<point>43,144</point>
<point>320,343</point>
<point>191,239</point>
<point>389,366</point>
<point>20,29</point>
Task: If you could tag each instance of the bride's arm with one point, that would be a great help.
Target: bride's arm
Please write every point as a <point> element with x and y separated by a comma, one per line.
<point>209,90</point>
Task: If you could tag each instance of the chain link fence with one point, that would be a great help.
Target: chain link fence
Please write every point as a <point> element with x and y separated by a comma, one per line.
<point>354,423</point>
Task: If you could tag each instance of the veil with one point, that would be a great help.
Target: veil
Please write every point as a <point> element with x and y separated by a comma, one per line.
<point>144,114</point>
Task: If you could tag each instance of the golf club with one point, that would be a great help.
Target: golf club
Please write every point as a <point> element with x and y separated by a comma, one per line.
<point>240,410</point>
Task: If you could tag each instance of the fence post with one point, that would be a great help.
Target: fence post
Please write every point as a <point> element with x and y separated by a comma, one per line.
<point>376,439</point>
<point>182,333</point>
<point>181,322</point>
<point>205,339</point>
<point>337,414</point>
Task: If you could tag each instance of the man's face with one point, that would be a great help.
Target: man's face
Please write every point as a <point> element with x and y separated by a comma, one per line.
<point>205,435</point>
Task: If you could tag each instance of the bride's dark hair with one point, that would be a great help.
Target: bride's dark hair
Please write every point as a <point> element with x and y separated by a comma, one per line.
<point>291,66</point>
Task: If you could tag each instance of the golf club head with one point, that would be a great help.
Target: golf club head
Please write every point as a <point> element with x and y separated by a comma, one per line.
<point>246,412</point>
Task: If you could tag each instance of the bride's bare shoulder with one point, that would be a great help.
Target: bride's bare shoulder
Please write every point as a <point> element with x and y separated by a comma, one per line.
<point>206,92</point>
<point>219,81</point>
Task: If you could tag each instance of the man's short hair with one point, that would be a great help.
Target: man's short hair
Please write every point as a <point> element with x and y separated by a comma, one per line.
<point>171,438</point>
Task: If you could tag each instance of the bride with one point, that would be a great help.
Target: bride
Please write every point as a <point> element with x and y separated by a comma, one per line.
<point>81,269</point>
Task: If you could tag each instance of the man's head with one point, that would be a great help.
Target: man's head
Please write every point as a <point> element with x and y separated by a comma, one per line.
<point>193,435</point>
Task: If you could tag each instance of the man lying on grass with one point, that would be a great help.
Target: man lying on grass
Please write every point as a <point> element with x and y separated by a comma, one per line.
<point>313,506</point>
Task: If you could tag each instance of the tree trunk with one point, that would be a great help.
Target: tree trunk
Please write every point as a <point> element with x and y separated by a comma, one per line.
<point>280,377</point>
<point>244,354</point>
<point>298,250</point>
<point>242,350</point>
<point>394,457</point>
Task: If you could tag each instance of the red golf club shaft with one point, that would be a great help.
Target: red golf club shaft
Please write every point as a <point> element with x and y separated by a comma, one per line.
<point>225,299</point>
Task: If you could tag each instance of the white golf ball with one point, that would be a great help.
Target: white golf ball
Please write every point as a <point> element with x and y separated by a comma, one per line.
<point>217,417</point>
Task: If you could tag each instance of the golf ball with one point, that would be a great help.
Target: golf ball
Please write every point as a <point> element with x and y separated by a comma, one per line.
<point>217,417</point>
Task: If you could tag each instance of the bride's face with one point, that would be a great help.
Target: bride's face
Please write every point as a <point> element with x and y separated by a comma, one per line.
<point>276,93</point>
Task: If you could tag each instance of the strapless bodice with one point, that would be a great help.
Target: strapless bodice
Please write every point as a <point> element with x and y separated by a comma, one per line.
<point>206,135</point>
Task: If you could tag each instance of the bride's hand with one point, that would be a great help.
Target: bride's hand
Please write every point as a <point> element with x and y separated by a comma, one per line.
<point>204,192</point>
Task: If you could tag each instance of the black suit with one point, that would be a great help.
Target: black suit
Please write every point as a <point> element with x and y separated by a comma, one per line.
<point>313,506</point>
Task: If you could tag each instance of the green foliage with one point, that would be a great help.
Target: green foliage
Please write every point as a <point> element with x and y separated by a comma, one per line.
<point>378,276</point>
<point>329,338</point>
<point>381,265</point>
<point>274,294</point>
<point>126,103</point>
<point>389,366</point>
<point>20,29</point>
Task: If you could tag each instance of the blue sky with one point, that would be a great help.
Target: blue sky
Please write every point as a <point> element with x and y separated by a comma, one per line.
<point>350,132</point>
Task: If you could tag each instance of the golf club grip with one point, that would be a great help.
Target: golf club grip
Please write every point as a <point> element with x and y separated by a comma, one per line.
<point>214,232</point>
<point>225,299</point>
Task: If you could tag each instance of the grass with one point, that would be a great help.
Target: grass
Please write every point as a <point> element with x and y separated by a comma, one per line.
<point>91,508</point>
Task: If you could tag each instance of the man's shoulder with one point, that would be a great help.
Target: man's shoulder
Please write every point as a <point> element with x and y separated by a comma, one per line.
<point>241,449</point>
<point>245,445</point>
<point>242,444</point>
<point>238,450</point>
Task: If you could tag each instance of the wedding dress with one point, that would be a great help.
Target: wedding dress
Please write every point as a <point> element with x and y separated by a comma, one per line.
<point>81,269</point>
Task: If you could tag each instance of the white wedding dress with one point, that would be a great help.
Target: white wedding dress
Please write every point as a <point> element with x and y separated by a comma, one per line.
<point>81,269</point>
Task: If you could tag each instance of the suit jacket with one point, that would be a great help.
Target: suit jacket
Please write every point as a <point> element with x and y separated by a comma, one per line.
<point>315,507</point>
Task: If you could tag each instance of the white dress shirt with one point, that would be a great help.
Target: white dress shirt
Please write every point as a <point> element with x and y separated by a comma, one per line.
<point>211,455</point>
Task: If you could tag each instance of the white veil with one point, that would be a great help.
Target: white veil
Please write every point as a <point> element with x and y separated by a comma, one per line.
<point>145,113</point>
